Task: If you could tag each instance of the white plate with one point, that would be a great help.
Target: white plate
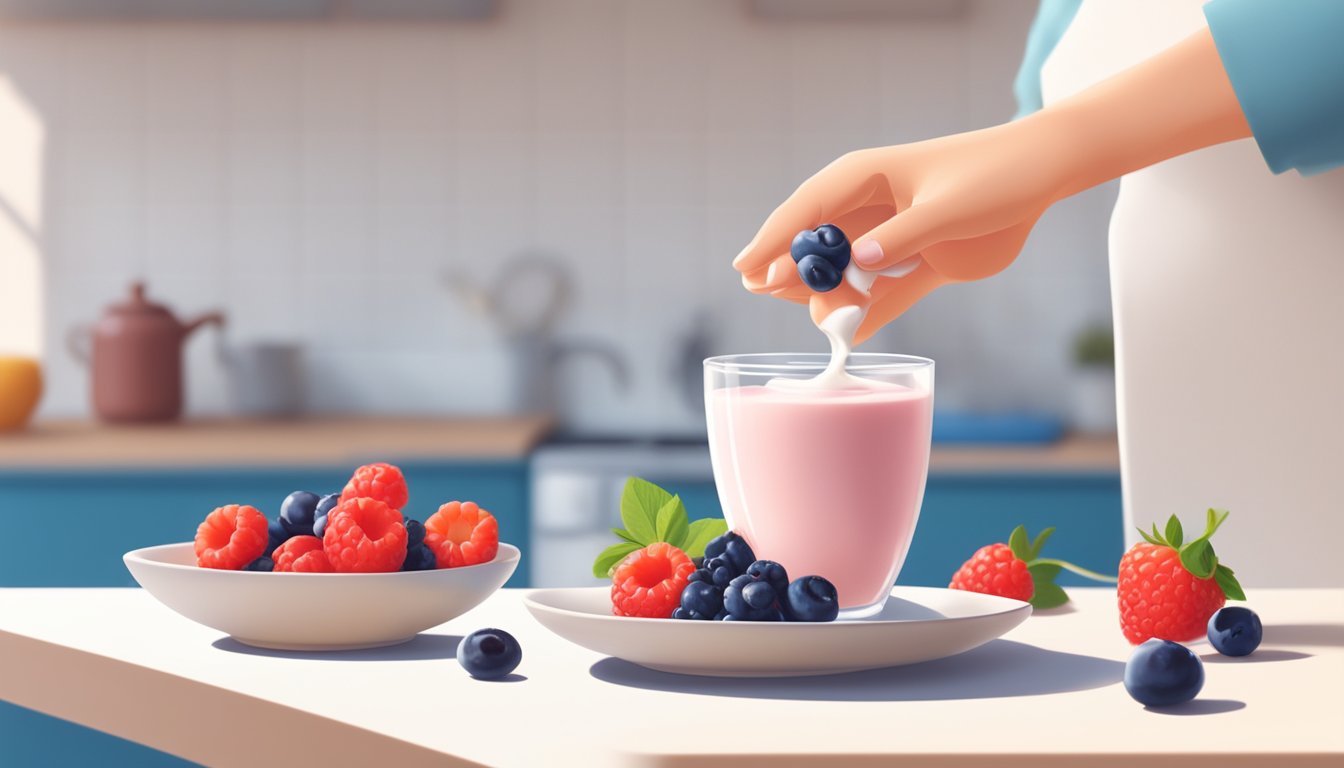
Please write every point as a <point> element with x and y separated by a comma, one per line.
<point>917,624</point>
<point>315,611</point>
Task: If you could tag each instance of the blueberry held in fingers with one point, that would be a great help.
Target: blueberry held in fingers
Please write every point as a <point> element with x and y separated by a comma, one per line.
<point>812,598</point>
<point>827,241</point>
<point>818,274</point>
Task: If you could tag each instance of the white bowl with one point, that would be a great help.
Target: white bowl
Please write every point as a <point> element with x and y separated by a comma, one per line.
<point>917,624</point>
<point>315,611</point>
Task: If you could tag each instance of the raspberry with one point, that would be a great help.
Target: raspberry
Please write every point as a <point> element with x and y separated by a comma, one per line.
<point>1169,588</point>
<point>231,537</point>
<point>364,536</point>
<point>649,582</point>
<point>1160,598</point>
<point>461,533</point>
<point>301,554</point>
<point>383,482</point>
<point>995,570</point>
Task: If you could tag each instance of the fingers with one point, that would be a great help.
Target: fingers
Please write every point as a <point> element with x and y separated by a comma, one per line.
<point>775,274</point>
<point>835,190</point>
<point>902,236</point>
<point>892,296</point>
<point>980,257</point>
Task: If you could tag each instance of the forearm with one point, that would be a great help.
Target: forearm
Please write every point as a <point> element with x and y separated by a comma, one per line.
<point>1175,102</point>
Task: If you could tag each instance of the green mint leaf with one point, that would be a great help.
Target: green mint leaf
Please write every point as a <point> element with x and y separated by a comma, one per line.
<point>672,525</point>
<point>1148,538</point>
<point>624,534</point>
<point>1039,543</point>
<point>1229,584</point>
<point>640,502</point>
<point>1198,558</point>
<point>611,557</point>
<point>1049,596</point>
<point>1017,542</point>
<point>1174,533</point>
<point>1158,536</point>
<point>701,533</point>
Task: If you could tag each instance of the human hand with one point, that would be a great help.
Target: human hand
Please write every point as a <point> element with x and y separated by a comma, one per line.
<point>960,208</point>
<point>934,212</point>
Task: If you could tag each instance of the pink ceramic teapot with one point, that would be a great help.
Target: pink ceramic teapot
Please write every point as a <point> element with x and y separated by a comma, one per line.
<point>135,351</point>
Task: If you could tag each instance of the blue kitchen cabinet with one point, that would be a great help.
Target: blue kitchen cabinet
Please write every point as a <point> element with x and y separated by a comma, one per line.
<point>69,529</point>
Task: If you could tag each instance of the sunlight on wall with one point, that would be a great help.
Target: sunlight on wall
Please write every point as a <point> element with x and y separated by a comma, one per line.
<point>21,163</point>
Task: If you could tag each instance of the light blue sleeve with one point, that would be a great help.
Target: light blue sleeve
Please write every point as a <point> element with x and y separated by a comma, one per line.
<point>1286,63</point>
<point>1052,18</point>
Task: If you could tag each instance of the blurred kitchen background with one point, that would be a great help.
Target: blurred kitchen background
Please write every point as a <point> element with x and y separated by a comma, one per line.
<point>396,226</point>
<point>490,241</point>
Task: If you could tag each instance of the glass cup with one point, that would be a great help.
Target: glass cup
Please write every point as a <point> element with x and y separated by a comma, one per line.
<point>827,482</point>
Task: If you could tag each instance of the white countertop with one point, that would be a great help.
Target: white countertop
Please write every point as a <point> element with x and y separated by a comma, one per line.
<point>116,660</point>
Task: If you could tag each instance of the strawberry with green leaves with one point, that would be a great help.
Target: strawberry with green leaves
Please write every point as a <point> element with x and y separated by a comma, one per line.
<point>1017,570</point>
<point>1170,587</point>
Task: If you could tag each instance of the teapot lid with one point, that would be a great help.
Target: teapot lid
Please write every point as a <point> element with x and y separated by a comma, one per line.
<point>137,304</point>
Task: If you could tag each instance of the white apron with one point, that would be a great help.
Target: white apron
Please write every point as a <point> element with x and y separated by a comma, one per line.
<point>1227,284</point>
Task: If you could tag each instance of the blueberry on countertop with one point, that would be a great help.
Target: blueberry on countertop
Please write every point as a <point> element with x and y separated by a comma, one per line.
<point>489,654</point>
<point>297,512</point>
<point>1235,631</point>
<point>1160,673</point>
<point>811,598</point>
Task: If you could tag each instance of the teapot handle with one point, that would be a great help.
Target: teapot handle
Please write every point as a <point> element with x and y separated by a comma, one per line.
<point>77,342</point>
<point>211,318</point>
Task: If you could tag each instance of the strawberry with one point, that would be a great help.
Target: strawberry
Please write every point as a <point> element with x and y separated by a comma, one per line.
<point>1017,570</point>
<point>1169,589</point>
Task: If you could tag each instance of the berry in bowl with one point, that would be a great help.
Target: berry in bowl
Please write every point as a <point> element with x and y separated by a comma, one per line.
<point>330,574</point>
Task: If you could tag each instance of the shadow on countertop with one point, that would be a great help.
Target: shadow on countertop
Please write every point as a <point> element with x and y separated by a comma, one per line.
<point>419,648</point>
<point>998,669</point>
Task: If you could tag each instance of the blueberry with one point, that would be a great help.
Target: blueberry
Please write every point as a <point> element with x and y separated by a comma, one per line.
<point>819,274</point>
<point>771,573</point>
<point>419,558</point>
<point>702,599</point>
<point>1235,631</point>
<point>415,533</point>
<point>682,613</point>
<point>730,550</point>
<point>827,241</point>
<point>275,535</point>
<point>811,598</point>
<point>771,615</point>
<point>261,565</point>
<point>324,507</point>
<point>698,562</point>
<point>1160,673</point>
<point>297,511</point>
<point>747,599</point>
<point>489,654</point>
<point>718,572</point>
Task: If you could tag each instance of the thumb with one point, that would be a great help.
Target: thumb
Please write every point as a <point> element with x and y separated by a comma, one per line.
<point>902,236</point>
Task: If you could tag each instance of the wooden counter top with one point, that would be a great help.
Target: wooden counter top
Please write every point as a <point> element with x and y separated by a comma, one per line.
<point>1072,454</point>
<point>82,444</point>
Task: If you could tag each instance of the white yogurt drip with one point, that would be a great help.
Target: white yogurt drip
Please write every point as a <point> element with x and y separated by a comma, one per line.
<point>839,327</point>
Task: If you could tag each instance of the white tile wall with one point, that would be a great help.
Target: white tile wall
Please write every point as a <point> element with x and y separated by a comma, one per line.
<point>317,180</point>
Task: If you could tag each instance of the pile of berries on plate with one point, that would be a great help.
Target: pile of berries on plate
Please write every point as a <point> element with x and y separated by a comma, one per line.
<point>729,584</point>
<point>359,530</point>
